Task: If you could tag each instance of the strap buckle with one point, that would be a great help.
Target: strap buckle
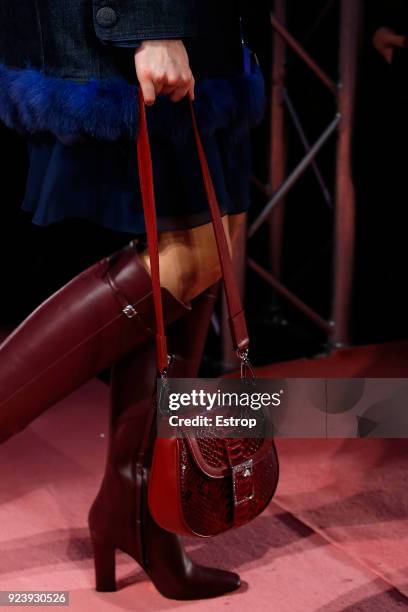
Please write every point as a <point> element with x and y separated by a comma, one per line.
<point>247,371</point>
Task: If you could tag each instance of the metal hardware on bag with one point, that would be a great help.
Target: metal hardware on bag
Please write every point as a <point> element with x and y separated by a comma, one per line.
<point>163,393</point>
<point>129,311</point>
<point>247,52</point>
<point>164,388</point>
<point>243,354</point>
<point>164,373</point>
<point>243,470</point>
<point>246,366</point>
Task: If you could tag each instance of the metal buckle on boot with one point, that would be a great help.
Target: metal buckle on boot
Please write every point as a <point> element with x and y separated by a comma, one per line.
<point>129,311</point>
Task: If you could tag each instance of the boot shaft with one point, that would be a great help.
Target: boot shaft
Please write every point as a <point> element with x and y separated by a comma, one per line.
<point>94,320</point>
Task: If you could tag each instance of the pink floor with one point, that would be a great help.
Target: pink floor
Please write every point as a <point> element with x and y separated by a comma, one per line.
<point>335,537</point>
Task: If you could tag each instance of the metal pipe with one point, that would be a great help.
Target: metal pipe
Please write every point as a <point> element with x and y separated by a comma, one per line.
<point>294,176</point>
<point>303,54</point>
<point>345,196</point>
<point>277,159</point>
<point>290,296</point>
<point>306,145</point>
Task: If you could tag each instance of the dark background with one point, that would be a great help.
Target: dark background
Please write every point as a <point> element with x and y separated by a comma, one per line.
<point>36,261</point>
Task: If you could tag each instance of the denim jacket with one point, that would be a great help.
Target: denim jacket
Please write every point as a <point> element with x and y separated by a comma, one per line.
<point>65,65</point>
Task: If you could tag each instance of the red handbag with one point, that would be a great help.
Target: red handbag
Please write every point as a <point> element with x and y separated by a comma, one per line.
<point>206,485</point>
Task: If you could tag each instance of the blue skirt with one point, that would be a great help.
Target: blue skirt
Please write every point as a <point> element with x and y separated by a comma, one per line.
<point>98,181</point>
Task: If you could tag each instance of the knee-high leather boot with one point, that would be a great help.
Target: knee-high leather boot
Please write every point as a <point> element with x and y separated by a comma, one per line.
<point>91,322</point>
<point>116,520</point>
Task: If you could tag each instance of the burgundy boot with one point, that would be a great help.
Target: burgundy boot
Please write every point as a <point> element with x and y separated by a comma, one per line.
<point>86,326</point>
<point>116,519</point>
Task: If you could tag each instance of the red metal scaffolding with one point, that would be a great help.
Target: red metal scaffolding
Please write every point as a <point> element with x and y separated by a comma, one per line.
<point>280,181</point>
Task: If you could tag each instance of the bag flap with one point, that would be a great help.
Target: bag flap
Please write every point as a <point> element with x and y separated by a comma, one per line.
<point>216,457</point>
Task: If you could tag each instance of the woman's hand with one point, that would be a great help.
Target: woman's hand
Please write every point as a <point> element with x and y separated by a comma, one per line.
<point>385,40</point>
<point>162,66</point>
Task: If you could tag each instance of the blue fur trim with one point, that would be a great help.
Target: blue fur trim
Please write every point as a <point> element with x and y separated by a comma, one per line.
<point>32,102</point>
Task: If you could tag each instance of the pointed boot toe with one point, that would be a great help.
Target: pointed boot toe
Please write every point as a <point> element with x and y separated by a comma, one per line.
<point>209,582</point>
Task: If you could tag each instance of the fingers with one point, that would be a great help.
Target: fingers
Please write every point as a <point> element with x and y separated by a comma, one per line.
<point>175,88</point>
<point>174,85</point>
<point>395,40</point>
<point>386,40</point>
<point>387,54</point>
<point>149,91</point>
<point>162,67</point>
<point>185,87</point>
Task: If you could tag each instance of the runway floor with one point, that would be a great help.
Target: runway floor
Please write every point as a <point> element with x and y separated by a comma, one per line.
<point>335,538</point>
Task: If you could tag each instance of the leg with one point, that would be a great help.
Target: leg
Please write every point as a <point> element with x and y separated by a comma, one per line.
<point>94,320</point>
<point>116,520</point>
<point>234,225</point>
<point>189,260</point>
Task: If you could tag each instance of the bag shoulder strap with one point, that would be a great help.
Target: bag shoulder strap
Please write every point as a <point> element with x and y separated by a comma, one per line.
<point>236,314</point>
